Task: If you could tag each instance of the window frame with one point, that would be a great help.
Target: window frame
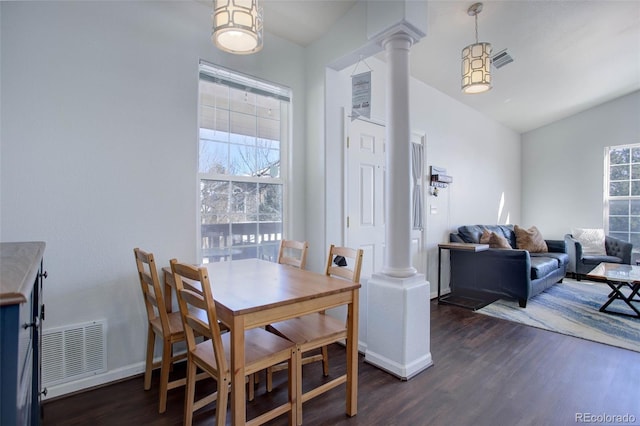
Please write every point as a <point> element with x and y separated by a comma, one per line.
<point>608,198</point>
<point>236,80</point>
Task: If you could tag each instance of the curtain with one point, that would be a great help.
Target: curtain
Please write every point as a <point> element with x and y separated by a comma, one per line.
<point>416,172</point>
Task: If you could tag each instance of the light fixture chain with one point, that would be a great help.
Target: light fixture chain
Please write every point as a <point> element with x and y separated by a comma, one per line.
<point>476,16</point>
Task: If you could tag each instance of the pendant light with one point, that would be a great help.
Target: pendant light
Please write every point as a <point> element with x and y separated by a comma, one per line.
<point>237,26</point>
<point>476,61</point>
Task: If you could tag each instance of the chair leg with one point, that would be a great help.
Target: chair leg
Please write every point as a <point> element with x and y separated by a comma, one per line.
<point>164,374</point>
<point>151,341</point>
<point>325,361</point>
<point>269,379</point>
<point>221,404</point>
<point>297,379</point>
<point>251,385</point>
<point>190,393</point>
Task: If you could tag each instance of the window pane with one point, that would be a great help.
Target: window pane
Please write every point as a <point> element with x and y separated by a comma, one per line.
<point>242,101</point>
<point>214,157</point>
<point>635,207</point>
<point>269,129</point>
<point>635,171</point>
<point>617,208</point>
<point>634,224</point>
<point>635,155</point>
<point>635,187</point>
<point>619,172</point>
<point>244,233</point>
<point>635,240</point>
<point>619,189</point>
<point>619,156</point>
<point>618,224</point>
<point>244,202</point>
<point>214,201</point>
<point>270,203</point>
<point>242,160</point>
<point>243,127</point>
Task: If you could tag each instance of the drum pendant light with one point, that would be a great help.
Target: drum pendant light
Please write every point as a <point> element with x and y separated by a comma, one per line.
<point>237,26</point>
<point>476,61</point>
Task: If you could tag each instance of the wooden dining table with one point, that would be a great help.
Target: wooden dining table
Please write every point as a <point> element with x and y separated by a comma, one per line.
<point>251,293</point>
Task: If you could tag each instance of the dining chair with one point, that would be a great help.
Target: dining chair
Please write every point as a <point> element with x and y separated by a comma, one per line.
<point>163,324</point>
<point>317,330</point>
<point>262,349</point>
<point>292,253</point>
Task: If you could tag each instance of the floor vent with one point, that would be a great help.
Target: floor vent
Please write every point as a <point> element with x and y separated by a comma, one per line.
<point>73,352</point>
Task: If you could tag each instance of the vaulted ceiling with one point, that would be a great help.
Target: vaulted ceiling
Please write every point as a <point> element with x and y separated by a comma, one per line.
<point>568,55</point>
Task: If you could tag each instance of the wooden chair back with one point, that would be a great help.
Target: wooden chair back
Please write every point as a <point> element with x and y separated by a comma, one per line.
<point>195,299</point>
<point>150,284</point>
<point>353,257</point>
<point>293,253</point>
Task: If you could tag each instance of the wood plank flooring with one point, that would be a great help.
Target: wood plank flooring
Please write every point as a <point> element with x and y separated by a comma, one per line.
<point>486,371</point>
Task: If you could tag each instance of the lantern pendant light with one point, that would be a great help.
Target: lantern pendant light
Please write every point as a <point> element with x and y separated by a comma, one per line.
<point>237,26</point>
<point>476,61</point>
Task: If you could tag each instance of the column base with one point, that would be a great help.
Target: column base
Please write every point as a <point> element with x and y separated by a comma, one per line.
<point>398,324</point>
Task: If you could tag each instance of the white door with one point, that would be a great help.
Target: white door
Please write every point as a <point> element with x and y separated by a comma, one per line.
<point>365,193</point>
<point>365,196</point>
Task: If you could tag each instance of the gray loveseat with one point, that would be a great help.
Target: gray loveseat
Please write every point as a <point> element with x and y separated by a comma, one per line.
<point>515,273</point>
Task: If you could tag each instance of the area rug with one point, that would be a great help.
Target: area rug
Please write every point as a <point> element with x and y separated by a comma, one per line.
<point>571,308</point>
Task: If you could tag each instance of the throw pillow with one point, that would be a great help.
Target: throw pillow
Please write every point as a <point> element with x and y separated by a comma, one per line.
<point>592,241</point>
<point>494,240</point>
<point>530,240</point>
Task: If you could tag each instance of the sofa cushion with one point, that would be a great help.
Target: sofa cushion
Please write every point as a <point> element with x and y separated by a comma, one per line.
<point>494,240</point>
<point>561,258</point>
<point>530,240</point>
<point>541,266</point>
<point>592,241</point>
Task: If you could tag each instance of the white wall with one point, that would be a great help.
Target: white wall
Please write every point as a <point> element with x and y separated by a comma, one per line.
<point>99,147</point>
<point>563,165</point>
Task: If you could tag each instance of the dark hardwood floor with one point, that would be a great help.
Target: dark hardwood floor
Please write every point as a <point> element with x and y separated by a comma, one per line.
<point>485,371</point>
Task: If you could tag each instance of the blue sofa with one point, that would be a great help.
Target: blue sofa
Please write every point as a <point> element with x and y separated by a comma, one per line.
<point>515,273</point>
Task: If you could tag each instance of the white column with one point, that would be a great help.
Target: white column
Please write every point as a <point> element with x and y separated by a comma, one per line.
<point>398,181</point>
<point>398,335</point>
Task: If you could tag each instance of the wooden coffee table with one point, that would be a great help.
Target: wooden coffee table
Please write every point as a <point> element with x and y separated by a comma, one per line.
<point>619,277</point>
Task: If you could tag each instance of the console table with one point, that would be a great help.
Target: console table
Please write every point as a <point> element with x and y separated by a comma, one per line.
<point>450,299</point>
<point>21,314</point>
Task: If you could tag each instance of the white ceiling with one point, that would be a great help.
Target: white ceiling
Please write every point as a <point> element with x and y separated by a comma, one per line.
<point>568,55</point>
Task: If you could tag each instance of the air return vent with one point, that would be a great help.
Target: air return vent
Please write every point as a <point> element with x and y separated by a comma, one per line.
<point>74,352</point>
<point>501,59</point>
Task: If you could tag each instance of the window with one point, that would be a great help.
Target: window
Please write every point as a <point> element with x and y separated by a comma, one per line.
<point>622,193</point>
<point>243,138</point>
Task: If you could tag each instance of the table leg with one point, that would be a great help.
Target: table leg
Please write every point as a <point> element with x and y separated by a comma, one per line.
<point>352,354</point>
<point>439,270</point>
<point>238,408</point>
<point>617,294</point>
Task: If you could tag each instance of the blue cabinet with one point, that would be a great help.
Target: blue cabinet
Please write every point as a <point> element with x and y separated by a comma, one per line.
<point>21,316</point>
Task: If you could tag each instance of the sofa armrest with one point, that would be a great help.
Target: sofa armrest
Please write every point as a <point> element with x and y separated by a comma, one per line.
<point>556,246</point>
<point>455,238</point>
<point>574,250</point>
<point>620,248</point>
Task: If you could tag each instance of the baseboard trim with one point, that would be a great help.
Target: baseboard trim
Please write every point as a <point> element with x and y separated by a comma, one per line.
<point>98,380</point>
<point>403,372</point>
